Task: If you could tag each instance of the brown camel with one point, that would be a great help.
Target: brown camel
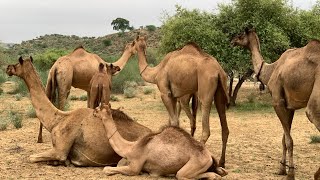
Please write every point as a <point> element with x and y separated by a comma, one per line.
<point>76,69</point>
<point>100,85</point>
<point>293,84</point>
<point>171,151</point>
<point>317,175</point>
<point>188,71</point>
<point>76,135</point>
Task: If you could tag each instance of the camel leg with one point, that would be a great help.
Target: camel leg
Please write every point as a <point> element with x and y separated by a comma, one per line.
<point>194,167</point>
<point>40,134</point>
<point>92,99</point>
<point>313,106</point>
<point>50,155</point>
<point>220,104</point>
<point>317,175</point>
<point>285,115</point>
<point>170,104</point>
<point>184,101</point>
<point>64,86</point>
<point>134,168</point>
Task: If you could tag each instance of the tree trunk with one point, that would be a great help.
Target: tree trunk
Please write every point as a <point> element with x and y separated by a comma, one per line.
<point>231,75</point>
<point>234,95</point>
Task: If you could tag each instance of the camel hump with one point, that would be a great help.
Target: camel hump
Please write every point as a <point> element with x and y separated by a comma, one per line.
<point>194,45</point>
<point>79,47</point>
<point>312,50</point>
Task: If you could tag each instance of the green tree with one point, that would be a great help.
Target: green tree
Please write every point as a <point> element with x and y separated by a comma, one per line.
<point>121,24</point>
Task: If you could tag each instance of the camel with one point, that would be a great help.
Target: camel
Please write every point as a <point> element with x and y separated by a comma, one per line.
<point>294,83</point>
<point>100,85</point>
<point>76,135</point>
<point>317,175</point>
<point>184,72</point>
<point>76,69</point>
<point>171,151</point>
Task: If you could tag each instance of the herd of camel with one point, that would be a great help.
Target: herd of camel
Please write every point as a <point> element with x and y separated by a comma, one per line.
<point>101,136</point>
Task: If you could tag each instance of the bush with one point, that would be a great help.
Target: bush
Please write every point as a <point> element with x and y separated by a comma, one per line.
<point>16,119</point>
<point>107,42</point>
<point>1,91</point>
<point>45,60</point>
<point>3,76</point>
<point>20,88</point>
<point>315,139</point>
<point>31,113</point>
<point>151,27</point>
<point>130,92</point>
<point>83,98</point>
<point>18,97</point>
<point>3,125</point>
<point>114,98</point>
<point>73,98</point>
<point>130,84</point>
<point>147,90</point>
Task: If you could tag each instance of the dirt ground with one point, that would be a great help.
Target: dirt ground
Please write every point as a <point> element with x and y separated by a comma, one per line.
<point>253,152</point>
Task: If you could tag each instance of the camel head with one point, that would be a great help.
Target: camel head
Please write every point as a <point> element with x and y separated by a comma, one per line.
<point>243,39</point>
<point>111,69</point>
<point>103,112</point>
<point>21,68</point>
<point>140,43</point>
<point>130,47</point>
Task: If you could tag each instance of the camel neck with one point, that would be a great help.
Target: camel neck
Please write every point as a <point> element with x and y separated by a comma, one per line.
<point>147,73</point>
<point>262,69</point>
<point>123,60</point>
<point>120,145</point>
<point>47,113</point>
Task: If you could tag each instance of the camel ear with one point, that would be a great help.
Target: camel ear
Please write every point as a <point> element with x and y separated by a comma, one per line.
<point>247,30</point>
<point>137,38</point>
<point>101,66</point>
<point>133,43</point>
<point>20,60</point>
<point>31,59</point>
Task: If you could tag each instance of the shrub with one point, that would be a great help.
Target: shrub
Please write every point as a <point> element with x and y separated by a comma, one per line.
<point>1,91</point>
<point>83,98</point>
<point>3,76</point>
<point>147,90</point>
<point>130,92</point>
<point>45,60</point>
<point>31,113</point>
<point>107,42</point>
<point>16,119</point>
<point>20,87</point>
<point>151,27</point>
<point>18,97</point>
<point>315,139</point>
<point>114,98</point>
<point>130,84</point>
<point>73,98</point>
<point>3,125</point>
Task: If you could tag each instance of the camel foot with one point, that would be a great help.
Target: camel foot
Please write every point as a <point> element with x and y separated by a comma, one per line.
<point>40,140</point>
<point>108,171</point>
<point>221,171</point>
<point>282,170</point>
<point>53,163</point>
<point>221,164</point>
<point>290,175</point>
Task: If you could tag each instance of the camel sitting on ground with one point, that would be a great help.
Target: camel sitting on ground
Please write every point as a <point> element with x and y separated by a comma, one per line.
<point>184,72</point>
<point>77,69</point>
<point>294,83</point>
<point>76,135</point>
<point>171,151</point>
<point>100,85</point>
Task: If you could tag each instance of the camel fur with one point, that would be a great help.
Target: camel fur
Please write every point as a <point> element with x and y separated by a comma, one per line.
<point>172,151</point>
<point>294,83</point>
<point>100,85</point>
<point>76,135</point>
<point>184,72</point>
<point>76,69</point>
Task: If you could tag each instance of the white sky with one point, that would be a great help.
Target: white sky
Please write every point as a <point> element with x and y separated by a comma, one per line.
<point>27,19</point>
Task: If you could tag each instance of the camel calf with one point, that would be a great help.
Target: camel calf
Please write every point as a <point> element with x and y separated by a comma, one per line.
<point>100,85</point>
<point>171,151</point>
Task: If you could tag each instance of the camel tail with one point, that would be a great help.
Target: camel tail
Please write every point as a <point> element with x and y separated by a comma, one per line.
<point>51,86</point>
<point>222,87</point>
<point>99,95</point>
<point>194,105</point>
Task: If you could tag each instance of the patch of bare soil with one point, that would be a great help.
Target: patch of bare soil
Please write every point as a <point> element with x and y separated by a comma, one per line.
<point>253,152</point>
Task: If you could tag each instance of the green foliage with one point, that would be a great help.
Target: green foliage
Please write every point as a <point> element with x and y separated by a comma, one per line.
<point>20,87</point>
<point>31,113</point>
<point>73,98</point>
<point>114,98</point>
<point>147,90</point>
<point>107,42</point>
<point>120,24</point>
<point>18,97</point>
<point>3,76</point>
<point>1,90</point>
<point>151,27</point>
<point>130,92</point>
<point>16,119</point>
<point>83,98</point>
<point>44,61</point>
<point>315,139</point>
<point>3,125</point>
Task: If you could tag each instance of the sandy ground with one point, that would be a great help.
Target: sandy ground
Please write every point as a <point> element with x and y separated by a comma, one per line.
<point>253,152</point>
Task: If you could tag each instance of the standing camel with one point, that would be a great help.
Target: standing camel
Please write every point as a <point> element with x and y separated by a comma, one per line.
<point>76,69</point>
<point>188,71</point>
<point>100,85</point>
<point>294,83</point>
<point>76,135</point>
<point>171,151</point>
<point>183,103</point>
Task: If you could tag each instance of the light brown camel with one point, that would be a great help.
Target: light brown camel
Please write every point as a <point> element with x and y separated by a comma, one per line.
<point>100,85</point>
<point>76,135</point>
<point>76,69</point>
<point>188,71</point>
<point>293,81</point>
<point>171,151</point>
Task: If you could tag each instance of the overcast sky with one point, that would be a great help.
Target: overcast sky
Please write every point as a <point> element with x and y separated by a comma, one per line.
<point>22,20</point>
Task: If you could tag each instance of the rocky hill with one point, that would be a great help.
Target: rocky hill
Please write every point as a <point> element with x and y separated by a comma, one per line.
<point>111,44</point>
